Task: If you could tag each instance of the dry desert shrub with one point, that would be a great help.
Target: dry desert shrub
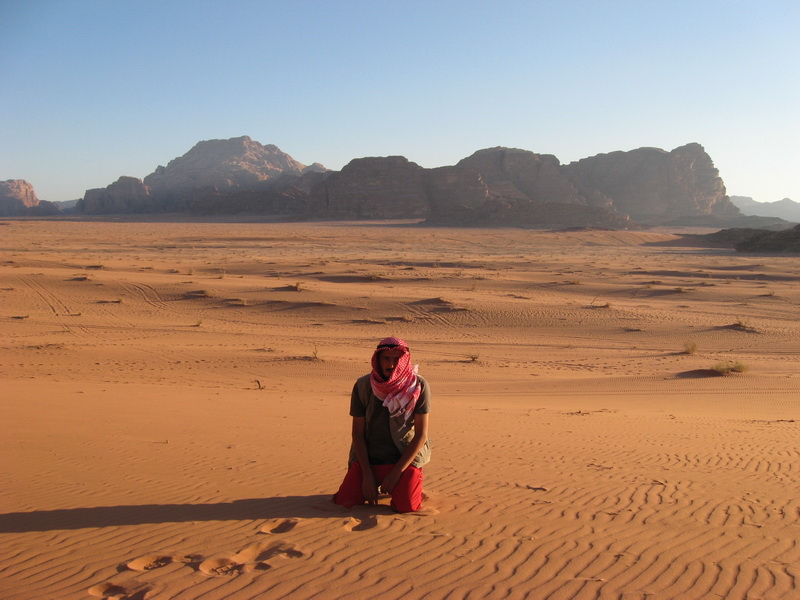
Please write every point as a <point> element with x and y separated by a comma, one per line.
<point>726,368</point>
<point>197,294</point>
<point>743,325</point>
<point>236,301</point>
<point>690,347</point>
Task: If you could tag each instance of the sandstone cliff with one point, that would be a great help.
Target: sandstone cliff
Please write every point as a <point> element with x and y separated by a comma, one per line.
<point>653,186</point>
<point>233,164</point>
<point>496,186</point>
<point>519,174</point>
<point>372,188</point>
<point>16,197</point>
<point>126,195</point>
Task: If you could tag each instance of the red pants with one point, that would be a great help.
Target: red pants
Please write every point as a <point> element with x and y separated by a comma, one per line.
<point>406,497</point>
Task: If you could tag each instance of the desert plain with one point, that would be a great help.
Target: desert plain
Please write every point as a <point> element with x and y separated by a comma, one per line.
<point>615,415</point>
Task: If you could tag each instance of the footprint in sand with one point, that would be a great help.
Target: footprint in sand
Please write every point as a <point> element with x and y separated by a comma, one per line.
<point>118,592</point>
<point>222,567</point>
<point>148,562</point>
<point>283,527</point>
<point>251,558</point>
<point>354,524</point>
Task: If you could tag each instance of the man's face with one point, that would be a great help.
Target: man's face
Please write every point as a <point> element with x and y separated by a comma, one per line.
<point>388,361</point>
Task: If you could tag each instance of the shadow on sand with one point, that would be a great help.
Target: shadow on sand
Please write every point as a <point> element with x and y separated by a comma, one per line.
<point>117,516</point>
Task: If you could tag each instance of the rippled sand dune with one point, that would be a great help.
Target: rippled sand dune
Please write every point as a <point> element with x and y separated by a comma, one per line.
<point>175,397</point>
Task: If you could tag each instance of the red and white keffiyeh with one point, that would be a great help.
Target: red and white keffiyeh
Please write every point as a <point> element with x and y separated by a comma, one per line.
<point>401,392</point>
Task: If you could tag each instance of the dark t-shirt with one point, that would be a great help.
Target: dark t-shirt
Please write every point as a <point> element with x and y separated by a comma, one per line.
<point>380,447</point>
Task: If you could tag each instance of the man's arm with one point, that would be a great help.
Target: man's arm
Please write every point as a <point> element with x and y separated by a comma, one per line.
<point>369,488</point>
<point>417,442</point>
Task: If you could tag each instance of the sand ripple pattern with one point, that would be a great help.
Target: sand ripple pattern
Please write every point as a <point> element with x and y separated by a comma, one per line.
<point>175,402</point>
<point>588,517</point>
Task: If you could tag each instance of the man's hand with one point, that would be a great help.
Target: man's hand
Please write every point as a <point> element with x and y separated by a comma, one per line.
<point>368,487</point>
<point>390,481</point>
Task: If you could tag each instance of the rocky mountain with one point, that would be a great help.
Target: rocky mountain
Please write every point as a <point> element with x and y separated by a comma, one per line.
<point>513,187</point>
<point>124,196</point>
<point>783,209</point>
<point>227,165</point>
<point>654,186</point>
<point>372,188</point>
<point>515,174</point>
<point>495,186</point>
<point>18,198</point>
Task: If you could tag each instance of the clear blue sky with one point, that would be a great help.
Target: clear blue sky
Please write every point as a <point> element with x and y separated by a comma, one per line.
<point>94,89</point>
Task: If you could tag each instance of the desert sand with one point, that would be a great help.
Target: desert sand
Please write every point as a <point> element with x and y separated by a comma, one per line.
<point>175,399</point>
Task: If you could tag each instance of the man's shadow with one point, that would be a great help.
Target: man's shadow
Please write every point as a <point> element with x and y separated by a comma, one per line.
<point>141,514</point>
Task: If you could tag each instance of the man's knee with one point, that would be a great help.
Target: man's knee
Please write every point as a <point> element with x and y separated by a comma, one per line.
<point>407,496</point>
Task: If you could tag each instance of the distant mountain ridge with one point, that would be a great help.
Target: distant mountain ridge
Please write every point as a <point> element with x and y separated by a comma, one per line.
<point>782,209</point>
<point>236,163</point>
<point>492,187</point>
<point>495,186</point>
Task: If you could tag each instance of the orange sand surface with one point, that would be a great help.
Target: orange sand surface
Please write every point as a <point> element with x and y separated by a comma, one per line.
<point>175,399</point>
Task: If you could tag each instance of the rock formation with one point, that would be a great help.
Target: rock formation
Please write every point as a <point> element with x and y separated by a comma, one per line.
<point>496,186</point>
<point>772,241</point>
<point>503,187</point>
<point>455,193</point>
<point>516,174</point>
<point>654,186</point>
<point>16,197</point>
<point>372,188</point>
<point>126,195</point>
<point>215,176</point>
<point>227,165</point>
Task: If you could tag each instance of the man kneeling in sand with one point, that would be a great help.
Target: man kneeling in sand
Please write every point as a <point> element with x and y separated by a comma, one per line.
<point>390,409</point>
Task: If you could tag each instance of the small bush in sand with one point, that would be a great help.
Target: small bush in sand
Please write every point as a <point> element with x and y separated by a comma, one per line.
<point>744,325</point>
<point>197,294</point>
<point>727,368</point>
<point>604,305</point>
<point>690,347</point>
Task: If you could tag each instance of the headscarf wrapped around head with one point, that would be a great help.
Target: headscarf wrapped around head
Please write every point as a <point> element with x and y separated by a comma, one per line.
<point>400,393</point>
